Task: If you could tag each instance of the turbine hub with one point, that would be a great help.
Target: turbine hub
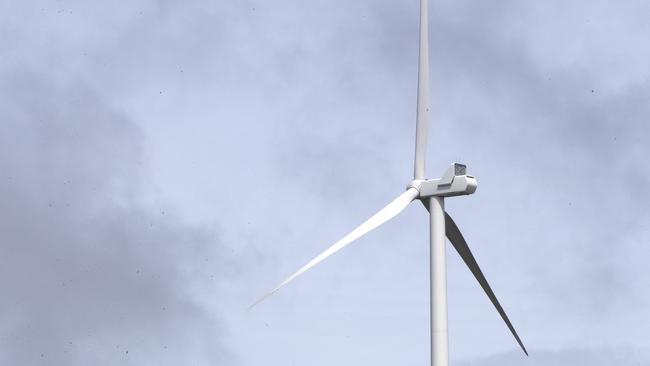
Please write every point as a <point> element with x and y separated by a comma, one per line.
<point>415,183</point>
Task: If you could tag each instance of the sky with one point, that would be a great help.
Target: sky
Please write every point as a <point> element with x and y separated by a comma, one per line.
<point>163,164</point>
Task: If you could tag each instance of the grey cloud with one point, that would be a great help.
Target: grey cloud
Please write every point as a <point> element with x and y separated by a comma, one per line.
<point>596,357</point>
<point>310,106</point>
<point>91,272</point>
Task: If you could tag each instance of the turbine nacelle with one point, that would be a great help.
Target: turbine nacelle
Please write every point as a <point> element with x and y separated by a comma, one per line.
<point>455,182</point>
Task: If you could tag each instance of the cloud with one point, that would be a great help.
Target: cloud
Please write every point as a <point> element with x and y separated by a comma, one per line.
<point>568,357</point>
<point>289,123</point>
<point>90,273</point>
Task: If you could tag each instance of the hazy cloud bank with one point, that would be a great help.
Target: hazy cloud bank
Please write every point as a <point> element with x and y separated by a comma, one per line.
<point>89,272</point>
<point>569,357</point>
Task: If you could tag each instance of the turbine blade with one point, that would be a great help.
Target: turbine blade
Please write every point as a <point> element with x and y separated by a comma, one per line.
<point>391,210</point>
<point>457,240</point>
<point>422,121</point>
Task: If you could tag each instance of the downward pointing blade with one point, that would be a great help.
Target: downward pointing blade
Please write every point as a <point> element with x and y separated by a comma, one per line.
<point>457,240</point>
<point>391,210</point>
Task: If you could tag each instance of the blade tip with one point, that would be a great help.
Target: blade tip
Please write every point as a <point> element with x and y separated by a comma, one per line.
<point>257,302</point>
<point>523,348</point>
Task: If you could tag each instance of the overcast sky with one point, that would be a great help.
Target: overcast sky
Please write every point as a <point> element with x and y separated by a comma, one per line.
<point>163,164</point>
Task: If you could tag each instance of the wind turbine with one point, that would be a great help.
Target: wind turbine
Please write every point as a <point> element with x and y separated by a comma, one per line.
<point>432,193</point>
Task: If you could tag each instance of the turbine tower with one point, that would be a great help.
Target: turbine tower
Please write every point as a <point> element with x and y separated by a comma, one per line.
<point>432,193</point>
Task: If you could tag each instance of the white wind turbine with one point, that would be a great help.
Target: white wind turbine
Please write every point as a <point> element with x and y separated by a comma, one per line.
<point>432,193</point>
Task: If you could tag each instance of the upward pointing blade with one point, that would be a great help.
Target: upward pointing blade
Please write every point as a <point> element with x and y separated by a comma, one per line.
<point>391,210</point>
<point>457,240</point>
<point>422,121</point>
